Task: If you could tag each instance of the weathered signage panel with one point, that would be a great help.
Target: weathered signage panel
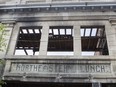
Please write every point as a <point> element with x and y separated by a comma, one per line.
<point>60,68</point>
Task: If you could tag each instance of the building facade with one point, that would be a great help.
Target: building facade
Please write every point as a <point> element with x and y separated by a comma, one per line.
<point>59,43</point>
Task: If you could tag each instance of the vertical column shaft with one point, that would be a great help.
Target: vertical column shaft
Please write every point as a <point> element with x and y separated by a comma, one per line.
<point>13,40</point>
<point>44,40</point>
<point>8,30</point>
<point>77,40</point>
<point>111,37</point>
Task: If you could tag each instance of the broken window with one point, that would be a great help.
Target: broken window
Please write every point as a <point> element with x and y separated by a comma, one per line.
<point>28,42</point>
<point>93,41</point>
<point>60,40</point>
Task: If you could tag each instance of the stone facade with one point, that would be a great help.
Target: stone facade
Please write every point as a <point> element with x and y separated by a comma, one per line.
<point>57,69</point>
<point>48,1</point>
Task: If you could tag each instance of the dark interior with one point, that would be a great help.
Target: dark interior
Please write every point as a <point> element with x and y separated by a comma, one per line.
<point>93,38</point>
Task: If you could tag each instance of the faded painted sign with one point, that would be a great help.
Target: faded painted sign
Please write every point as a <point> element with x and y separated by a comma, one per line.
<point>60,68</point>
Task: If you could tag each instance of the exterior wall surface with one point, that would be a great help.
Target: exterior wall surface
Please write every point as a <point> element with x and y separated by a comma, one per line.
<point>68,69</point>
<point>8,2</point>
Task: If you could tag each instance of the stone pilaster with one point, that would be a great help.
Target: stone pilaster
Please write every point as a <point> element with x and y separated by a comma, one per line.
<point>9,26</point>
<point>111,38</point>
<point>13,39</point>
<point>44,40</point>
<point>77,40</point>
<point>7,68</point>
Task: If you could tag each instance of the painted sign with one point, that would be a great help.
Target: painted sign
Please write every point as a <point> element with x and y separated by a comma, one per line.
<point>60,68</point>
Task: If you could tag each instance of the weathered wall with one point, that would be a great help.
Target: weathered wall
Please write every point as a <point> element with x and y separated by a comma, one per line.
<point>74,68</point>
<point>62,68</point>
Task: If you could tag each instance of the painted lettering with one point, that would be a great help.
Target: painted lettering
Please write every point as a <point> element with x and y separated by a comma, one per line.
<point>61,68</point>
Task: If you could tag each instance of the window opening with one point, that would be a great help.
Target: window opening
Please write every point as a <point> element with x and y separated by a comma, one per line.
<point>30,31</point>
<point>28,42</point>
<point>93,40</point>
<point>55,31</point>
<point>24,31</point>
<point>36,31</point>
<point>60,40</point>
<point>68,31</point>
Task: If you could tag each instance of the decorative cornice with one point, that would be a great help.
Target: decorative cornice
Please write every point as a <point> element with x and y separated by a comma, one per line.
<point>85,6</point>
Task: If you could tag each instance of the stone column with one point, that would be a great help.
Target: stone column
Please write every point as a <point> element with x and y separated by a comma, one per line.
<point>7,68</point>
<point>13,39</point>
<point>111,38</point>
<point>77,40</point>
<point>9,25</point>
<point>44,40</point>
<point>111,35</point>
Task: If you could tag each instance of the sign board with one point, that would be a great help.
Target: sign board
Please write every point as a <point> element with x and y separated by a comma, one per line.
<point>59,68</point>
